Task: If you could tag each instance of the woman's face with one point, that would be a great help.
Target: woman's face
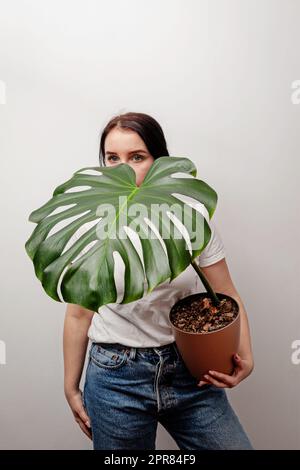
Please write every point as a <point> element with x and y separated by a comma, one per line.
<point>126,146</point>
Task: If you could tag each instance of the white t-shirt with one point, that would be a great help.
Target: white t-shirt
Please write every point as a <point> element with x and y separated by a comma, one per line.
<point>145,322</point>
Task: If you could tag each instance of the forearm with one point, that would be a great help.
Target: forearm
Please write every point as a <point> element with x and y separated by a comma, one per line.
<point>245,348</point>
<point>75,341</point>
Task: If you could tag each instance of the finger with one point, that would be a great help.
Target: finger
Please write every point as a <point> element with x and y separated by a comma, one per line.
<point>237,360</point>
<point>228,380</point>
<point>202,382</point>
<point>83,416</point>
<point>85,429</point>
<point>225,378</point>
<point>216,382</point>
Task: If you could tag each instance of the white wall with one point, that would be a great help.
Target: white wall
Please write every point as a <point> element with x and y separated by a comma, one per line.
<point>217,75</point>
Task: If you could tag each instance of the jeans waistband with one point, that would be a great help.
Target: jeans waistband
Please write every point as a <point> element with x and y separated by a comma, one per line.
<point>132,350</point>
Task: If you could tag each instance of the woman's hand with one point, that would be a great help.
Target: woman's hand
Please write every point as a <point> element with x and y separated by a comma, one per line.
<point>74,399</point>
<point>242,368</point>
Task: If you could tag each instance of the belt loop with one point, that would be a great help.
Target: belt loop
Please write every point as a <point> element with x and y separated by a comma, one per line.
<point>132,352</point>
<point>158,351</point>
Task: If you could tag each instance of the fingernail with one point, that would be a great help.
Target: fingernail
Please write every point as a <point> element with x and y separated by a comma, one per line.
<point>200,383</point>
<point>88,424</point>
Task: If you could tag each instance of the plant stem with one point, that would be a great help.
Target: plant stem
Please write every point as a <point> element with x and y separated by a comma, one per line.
<point>206,284</point>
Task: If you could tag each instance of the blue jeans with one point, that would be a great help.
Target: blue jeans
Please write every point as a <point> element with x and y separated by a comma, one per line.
<point>128,390</point>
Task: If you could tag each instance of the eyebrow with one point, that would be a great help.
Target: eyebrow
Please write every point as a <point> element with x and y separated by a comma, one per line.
<point>133,151</point>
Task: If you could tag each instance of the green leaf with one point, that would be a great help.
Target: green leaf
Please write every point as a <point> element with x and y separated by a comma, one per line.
<point>83,272</point>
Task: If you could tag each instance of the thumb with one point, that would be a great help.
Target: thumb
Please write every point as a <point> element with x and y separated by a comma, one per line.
<point>237,358</point>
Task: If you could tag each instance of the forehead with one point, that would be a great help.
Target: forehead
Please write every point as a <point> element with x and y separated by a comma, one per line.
<point>123,140</point>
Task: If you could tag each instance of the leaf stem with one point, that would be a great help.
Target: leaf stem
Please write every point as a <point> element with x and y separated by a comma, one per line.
<point>206,284</point>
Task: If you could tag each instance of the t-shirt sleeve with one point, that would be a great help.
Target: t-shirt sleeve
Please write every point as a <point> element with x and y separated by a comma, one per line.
<point>214,250</point>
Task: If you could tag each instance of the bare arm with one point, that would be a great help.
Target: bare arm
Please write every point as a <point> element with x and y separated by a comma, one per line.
<point>75,341</point>
<point>218,276</point>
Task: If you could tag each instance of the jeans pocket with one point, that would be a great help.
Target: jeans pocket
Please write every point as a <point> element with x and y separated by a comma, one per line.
<point>109,356</point>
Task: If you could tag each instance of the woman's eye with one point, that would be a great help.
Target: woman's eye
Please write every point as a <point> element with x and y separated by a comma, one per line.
<point>140,157</point>
<point>112,157</point>
<point>136,158</point>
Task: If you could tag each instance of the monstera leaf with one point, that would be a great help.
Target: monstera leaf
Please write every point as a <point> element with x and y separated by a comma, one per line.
<point>82,272</point>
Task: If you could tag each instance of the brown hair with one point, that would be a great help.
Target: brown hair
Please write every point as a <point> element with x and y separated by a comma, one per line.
<point>146,126</point>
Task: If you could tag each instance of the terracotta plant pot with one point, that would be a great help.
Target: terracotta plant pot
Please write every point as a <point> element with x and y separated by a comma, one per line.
<point>213,350</point>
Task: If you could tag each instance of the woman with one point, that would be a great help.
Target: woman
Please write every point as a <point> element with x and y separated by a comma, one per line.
<point>135,376</point>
